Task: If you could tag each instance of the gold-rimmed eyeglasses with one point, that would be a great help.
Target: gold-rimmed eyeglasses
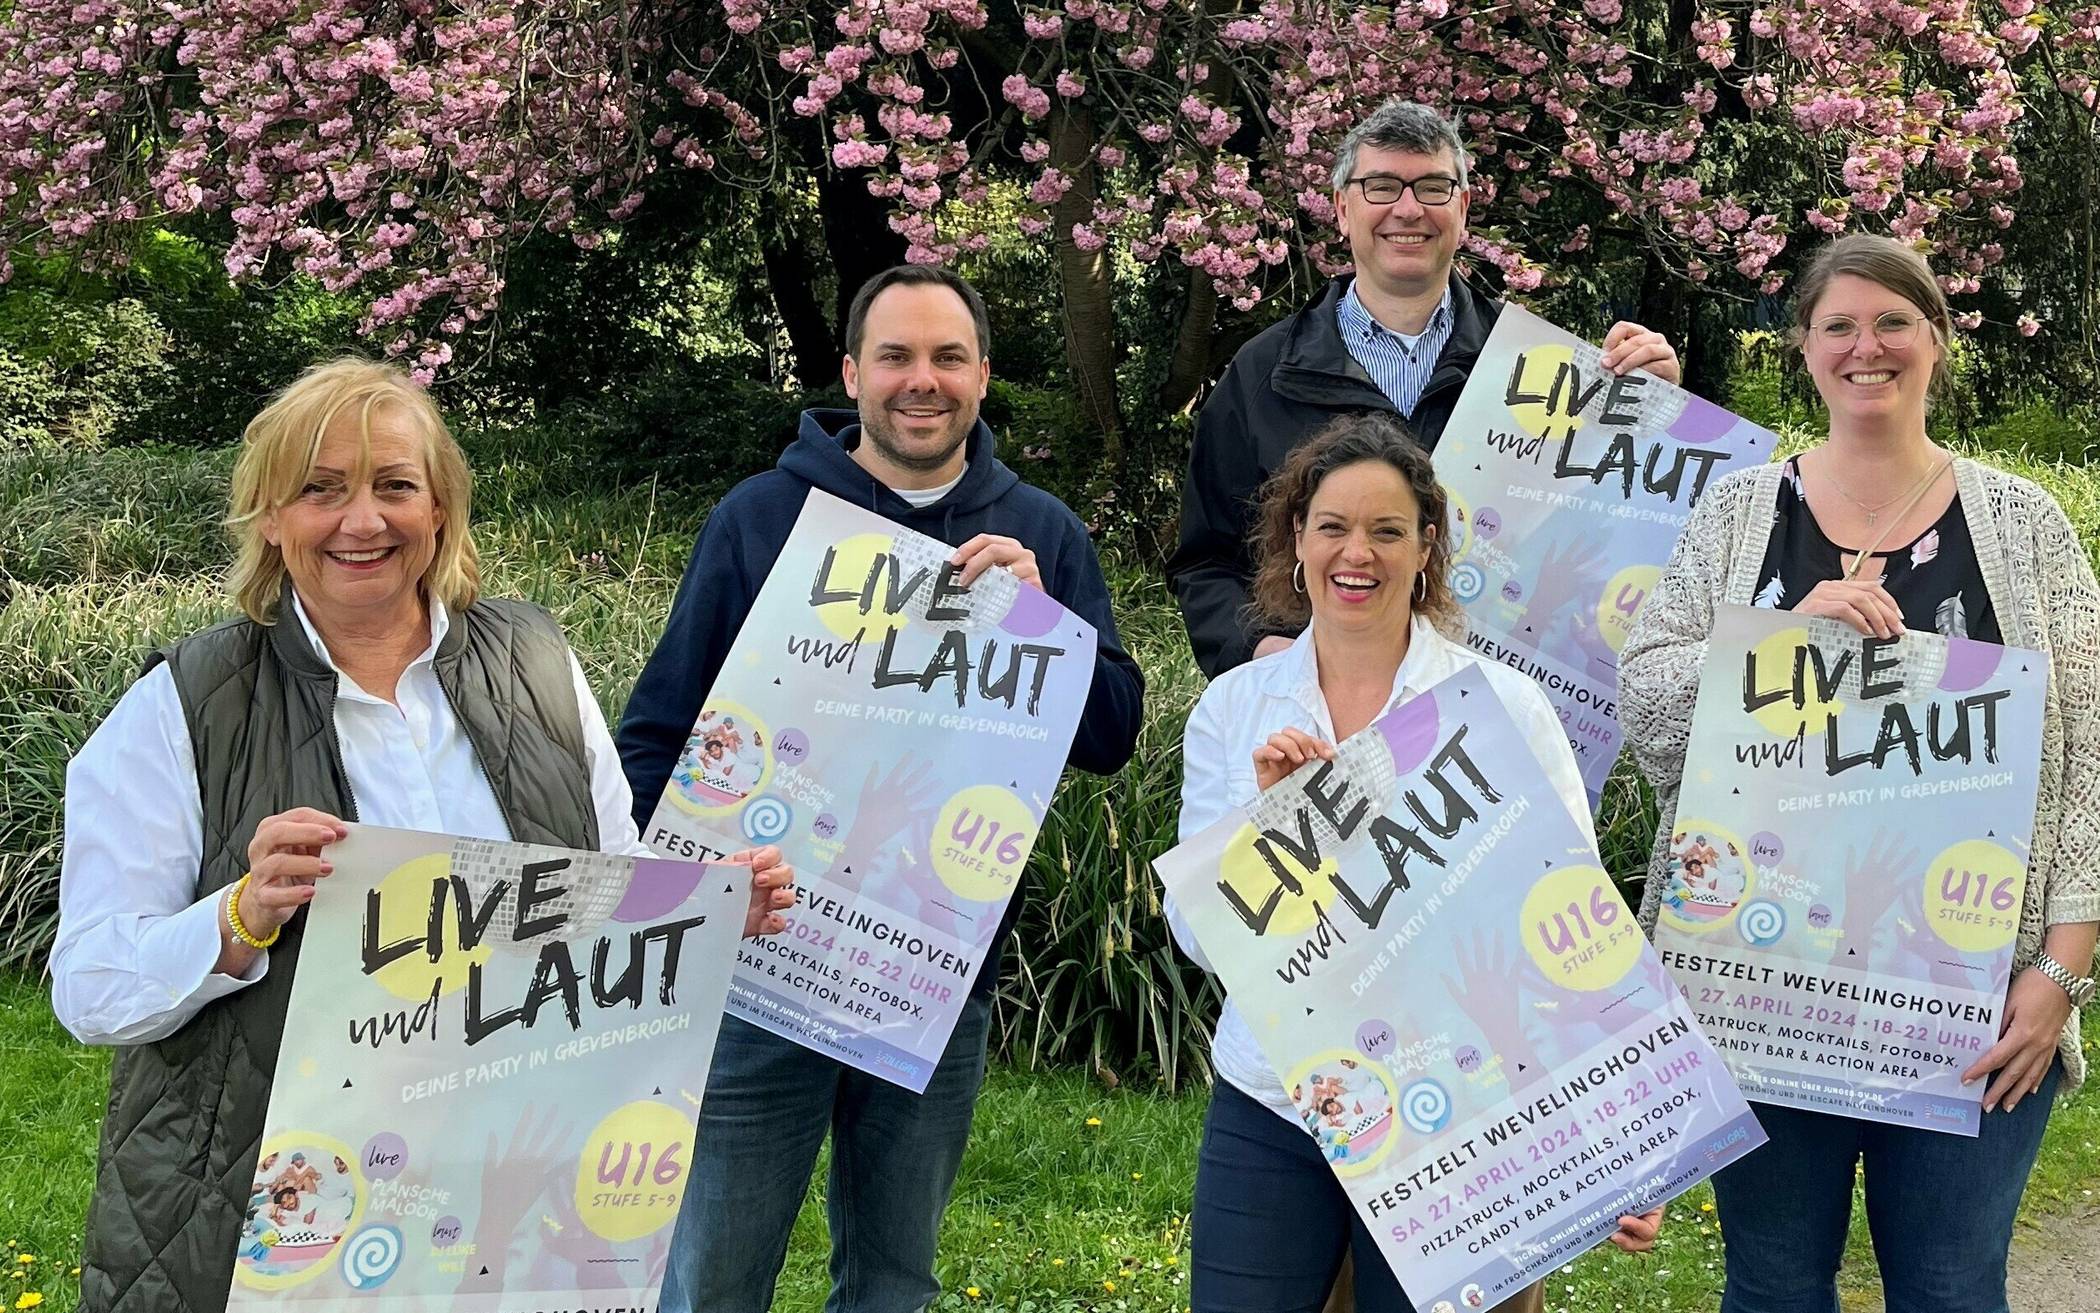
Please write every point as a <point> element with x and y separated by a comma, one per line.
<point>1895,330</point>
<point>1384,188</point>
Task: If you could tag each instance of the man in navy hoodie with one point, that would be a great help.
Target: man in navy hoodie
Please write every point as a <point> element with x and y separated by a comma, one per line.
<point>917,365</point>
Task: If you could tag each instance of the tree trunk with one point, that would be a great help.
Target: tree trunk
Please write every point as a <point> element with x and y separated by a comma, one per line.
<point>858,234</point>
<point>1083,278</point>
<point>792,279</point>
<point>1191,366</point>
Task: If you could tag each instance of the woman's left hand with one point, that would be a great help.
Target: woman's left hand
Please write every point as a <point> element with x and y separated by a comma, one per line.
<point>772,888</point>
<point>1636,1234</point>
<point>1629,346</point>
<point>2036,1009</point>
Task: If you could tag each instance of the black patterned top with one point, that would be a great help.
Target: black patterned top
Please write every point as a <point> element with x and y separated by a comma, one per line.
<point>1934,577</point>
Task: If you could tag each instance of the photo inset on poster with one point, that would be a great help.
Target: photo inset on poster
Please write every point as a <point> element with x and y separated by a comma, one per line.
<point>1710,877</point>
<point>306,1197</point>
<point>1347,1102</point>
<point>723,764</point>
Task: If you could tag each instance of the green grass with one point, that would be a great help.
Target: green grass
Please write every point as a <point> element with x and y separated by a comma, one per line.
<point>1049,1209</point>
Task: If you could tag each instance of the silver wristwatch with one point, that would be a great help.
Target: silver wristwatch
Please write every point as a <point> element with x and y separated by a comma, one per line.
<point>2080,988</point>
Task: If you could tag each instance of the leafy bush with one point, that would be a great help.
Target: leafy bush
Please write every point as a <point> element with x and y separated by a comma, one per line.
<point>74,371</point>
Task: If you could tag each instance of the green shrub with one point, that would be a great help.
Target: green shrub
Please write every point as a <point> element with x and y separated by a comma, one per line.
<point>74,372</point>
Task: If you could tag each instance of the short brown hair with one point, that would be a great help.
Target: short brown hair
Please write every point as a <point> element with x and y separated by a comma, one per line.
<point>1884,262</point>
<point>1275,601</point>
<point>277,454</point>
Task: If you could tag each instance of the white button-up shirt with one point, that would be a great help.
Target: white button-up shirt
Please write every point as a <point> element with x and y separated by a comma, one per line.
<point>136,948</point>
<point>1247,704</point>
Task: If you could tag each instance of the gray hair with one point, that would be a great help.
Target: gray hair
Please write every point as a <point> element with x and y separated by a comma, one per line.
<point>1400,125</point>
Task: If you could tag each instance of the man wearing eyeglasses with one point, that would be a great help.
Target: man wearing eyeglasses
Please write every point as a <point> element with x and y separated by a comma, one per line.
<point>1401,333</point>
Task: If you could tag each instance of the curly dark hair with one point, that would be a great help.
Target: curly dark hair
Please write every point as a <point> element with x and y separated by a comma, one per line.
<point>1274,600</point>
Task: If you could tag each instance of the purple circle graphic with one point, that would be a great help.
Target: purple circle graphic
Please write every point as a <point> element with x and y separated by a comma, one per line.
<point>1468,1059</point>
<point>1766,848</point>
<point>1410,732</point>
<point>1487,522</point>
<point>826,826</point>
<point>1702,422</point>
<point>1969,663</point>
<point>1512,590</point>
<point>1033,613</point>
<point>1819,915</point>
<point>1375,1038</point>
<point>792,746</point>
<point>447,1230</point>
<point>657,887</point>
<point>384,1155</point>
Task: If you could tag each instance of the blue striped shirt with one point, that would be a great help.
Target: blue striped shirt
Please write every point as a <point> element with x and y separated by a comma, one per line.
<point>1400,365</point>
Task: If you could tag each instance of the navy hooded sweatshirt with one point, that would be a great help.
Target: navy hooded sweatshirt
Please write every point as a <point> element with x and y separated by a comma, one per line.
<point>743,536</point>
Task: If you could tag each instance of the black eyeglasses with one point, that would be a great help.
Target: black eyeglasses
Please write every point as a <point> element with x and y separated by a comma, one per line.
<point>1384,188</point>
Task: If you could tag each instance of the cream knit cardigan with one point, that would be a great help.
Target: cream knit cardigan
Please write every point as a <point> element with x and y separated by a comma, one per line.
<point>2041,587</point>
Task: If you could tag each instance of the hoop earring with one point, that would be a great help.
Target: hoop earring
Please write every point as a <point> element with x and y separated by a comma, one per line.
<point>1298,577</point>
<point>1421,585</point>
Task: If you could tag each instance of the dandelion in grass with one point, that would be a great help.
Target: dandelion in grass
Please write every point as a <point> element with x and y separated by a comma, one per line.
<point>1137,1176</point>
<point>1057,1262</point>
<point>1093,1121</point>
<point>29,1299</point>
<point>973,1292</point>
<point>1108,1285</point>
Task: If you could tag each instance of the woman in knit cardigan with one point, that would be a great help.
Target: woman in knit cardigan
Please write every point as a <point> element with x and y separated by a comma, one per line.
<point>1955,547</point>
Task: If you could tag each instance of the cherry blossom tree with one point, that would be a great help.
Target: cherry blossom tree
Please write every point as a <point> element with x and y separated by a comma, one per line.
<point>401,149</point>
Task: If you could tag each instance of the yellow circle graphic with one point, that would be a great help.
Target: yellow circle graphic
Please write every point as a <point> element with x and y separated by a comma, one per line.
<point>1710,876</point>
<point>405,896</point>
<point>1348,1102</point>
<point>853,561</point>
<point>633,1170</point>
<point>1254,881</point>
<point>1777,657</point>
<point>1622,600</point>
<point>728,759</point>
<point>308,1194</point>
<point>1972,895</point>
<point>1545,377</point>
<point>1578,930</point>
<point>981,841</point>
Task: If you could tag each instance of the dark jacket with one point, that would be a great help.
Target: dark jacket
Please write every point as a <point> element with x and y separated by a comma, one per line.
<point>1293,377</point>
<point>742,537</point>
<point>185,1118</point>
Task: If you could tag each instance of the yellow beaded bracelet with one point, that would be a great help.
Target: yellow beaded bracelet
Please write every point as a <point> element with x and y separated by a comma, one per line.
<point>233,917</point>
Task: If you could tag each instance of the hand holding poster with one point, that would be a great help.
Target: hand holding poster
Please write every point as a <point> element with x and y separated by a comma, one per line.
<point>899,737</point>
<point>1569,486</point>
<point>563,1005</point>
<point>1462,1008</point>
<point>1848,859</point>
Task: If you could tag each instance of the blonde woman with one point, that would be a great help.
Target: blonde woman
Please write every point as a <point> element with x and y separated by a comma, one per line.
<point>1884,529</point>
<point>365,679</point>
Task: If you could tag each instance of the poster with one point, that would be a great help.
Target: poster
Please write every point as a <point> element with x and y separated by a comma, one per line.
<point>1569,487</point>
<point>899,737</point>
<point>1465,1013</point>
<point>492,1064</point>
<point>1848,860</point>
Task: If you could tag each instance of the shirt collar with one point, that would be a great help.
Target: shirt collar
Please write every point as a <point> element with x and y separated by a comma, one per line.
<point>440,623</point>
<point>1426,662</point>
<point>1357,321</point>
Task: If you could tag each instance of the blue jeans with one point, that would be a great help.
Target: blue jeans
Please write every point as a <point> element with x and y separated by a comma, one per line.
<point>1271,1221</point>
<point>894,1155</point>
<point>1940,1208</point>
